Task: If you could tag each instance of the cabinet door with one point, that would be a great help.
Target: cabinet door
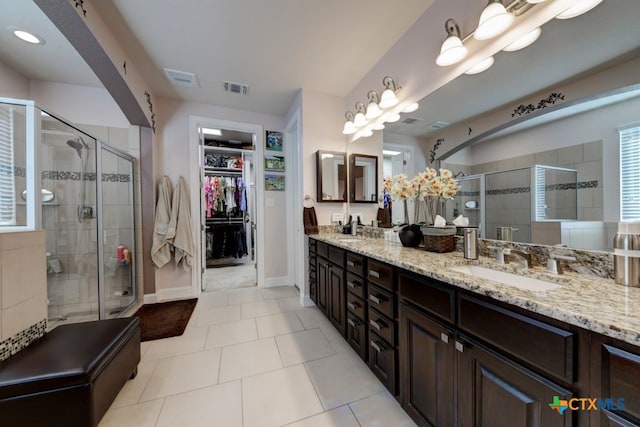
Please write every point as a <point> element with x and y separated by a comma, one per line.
<point>426,358</point>
<point>382,361</point>
<point>322,288</point>
<point>337,310</point>
<point>616,374</point>
<point>494,391</point>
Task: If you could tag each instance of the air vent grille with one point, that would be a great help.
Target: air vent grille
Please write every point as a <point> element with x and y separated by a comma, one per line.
<point>182,78</point>
<point>438,125</point>
<point>410,120</point>
<point>239,88</point>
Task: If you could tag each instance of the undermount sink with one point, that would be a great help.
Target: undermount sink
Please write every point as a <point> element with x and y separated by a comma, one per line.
<point>349,239</point>
<point>509,279</point>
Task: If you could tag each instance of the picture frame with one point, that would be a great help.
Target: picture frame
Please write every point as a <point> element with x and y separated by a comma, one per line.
<point>274,182</point>
<point>274,163</point>
<point>273,141</point>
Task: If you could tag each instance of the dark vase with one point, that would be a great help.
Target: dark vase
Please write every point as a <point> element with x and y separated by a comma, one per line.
<point>410,236</point>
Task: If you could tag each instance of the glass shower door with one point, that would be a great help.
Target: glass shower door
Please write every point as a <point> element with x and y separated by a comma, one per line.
<point>118,231</point>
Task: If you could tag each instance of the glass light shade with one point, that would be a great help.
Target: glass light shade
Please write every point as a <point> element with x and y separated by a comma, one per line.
<point>535,1</point>
<point>452,51</point>
<point>373,111</point>
<point>359,120</point>
<point>494,20</point>
<point>578,8</point>
<point>27,36</point>
<point>481,66</point>
<point>388,99</point>
<point>392,117</point>
<point>378,126</point>
<point>411,107</point>
<point>349,128</point>
<point>366,133</point>
<point>524,41</point>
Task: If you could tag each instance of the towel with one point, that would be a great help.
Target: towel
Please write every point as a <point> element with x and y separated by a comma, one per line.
<point>384,218</point>
<point>310,220</point>
<point>162,234</point>
<point>181,224</point>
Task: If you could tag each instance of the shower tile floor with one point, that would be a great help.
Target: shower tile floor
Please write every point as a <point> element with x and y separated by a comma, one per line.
<point>254,357</point>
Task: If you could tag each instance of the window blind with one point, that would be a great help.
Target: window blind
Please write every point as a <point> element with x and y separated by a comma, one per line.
<point>630,174</point>
<point>7,175</point>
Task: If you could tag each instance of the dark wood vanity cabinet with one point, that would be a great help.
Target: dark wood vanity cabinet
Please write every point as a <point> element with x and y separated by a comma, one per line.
<point>357,318</point>
<point>313,271</point>
<point>330,285</point>
<point>322,285</point>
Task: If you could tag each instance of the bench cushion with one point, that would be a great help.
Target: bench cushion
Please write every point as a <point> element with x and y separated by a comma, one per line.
<point>69,355</point>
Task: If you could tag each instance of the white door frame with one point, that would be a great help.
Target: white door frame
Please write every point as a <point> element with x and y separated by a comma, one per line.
<point>195,189</point>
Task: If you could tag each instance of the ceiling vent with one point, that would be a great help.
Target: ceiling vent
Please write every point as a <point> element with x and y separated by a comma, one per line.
<point>438,125</point>
<point>240,89</point>
<point>410,120</point>
<point>182,78</point>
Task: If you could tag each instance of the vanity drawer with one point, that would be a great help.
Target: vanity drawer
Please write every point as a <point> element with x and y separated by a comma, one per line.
<point>540,344</point>
<point>382,326</point>
<point>428,294</point>
<point>382,300</point>
<point>322,249</point>
<point>336,256</point>
<point>356,264</point>
<point>357,335</point>
<point>382,362</point>
<point>380,274</point>
<point>313,260</point>
<point>313,246</point>
<point>355,305</point>
<point>355,285</point>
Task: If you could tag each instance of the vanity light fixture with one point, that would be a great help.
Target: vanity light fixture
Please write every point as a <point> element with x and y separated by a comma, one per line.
<point>377,126</point>
<point>349,127</point>
<point>373,110</point>
<point>391,117</point>
<point>578,8</point>
<point>535,1</point>
<point>411,107</point>
<point>367,133</point>
<point>26,36</point>
<point>452,50</point>
<point>481,66</point>
<point>388,98</point>
<point>359,120</point>
<point>494,20</point>
<point>524,41</point>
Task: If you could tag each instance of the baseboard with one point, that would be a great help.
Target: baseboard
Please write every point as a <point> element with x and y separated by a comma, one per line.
<point>271,282</point>
<point>307,302</point>
<point>169,294</point>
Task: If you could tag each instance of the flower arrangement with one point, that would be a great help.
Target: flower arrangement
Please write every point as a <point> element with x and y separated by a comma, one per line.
<point>400,188</point>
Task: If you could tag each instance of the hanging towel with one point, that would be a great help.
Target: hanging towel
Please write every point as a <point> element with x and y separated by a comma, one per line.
<point>310,220</point>
<point>162,235</point>
<point>384,218</point>
<point>181,221</point>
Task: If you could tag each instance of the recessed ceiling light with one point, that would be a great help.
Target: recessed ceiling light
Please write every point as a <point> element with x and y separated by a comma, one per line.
<point>26,36</point>
<point>390,152</point>
<point>209,131</point>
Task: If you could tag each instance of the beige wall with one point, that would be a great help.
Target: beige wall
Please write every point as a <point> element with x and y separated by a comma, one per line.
<point>12,84</point>
<point>23,281</point>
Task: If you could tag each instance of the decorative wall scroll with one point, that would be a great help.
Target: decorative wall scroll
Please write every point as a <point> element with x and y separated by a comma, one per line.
<point>80,4</point>
<point>432,153</point>
<point>523,110</point>
<point>153,115</point>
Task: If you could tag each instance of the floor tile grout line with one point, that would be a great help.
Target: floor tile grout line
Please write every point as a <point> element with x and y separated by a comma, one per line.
<point>315,387</point>
<point>164,400</point>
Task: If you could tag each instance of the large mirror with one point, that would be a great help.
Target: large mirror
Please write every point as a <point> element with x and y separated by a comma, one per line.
<point>550,171</point>
<point>331,176</point>
<point>363,178</point>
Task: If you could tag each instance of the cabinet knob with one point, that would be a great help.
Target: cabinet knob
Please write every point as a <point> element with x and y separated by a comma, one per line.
<point>374,274</point>
<point>459,346</point>
<point>353,323</point>
<point>351,264</point>
<point>353,305</point>
<point>374,298</point>
<point>444,338</point>
<point>352,285</point>
<point>375,324</point>
<point>375,346</point>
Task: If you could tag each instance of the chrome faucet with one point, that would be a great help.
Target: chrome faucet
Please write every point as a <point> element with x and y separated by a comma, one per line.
<point>500,251</point>
<point>526,256</point>
<point>554,265</point>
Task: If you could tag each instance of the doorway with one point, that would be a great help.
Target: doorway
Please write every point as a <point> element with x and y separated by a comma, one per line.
<point>227,203</point>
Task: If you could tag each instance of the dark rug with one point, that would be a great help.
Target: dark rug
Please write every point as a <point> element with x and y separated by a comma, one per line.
<point>165,319</point>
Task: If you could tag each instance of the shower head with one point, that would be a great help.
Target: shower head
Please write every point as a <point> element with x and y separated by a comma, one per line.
<point>77,144</point>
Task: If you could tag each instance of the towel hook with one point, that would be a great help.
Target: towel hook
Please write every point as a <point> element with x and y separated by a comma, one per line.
<point>308,198</point>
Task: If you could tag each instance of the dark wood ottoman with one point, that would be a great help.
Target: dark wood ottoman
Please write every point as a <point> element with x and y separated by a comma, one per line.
<point>71,376</point>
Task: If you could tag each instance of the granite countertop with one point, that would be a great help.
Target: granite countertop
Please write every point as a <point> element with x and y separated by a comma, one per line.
<point>593,303</point>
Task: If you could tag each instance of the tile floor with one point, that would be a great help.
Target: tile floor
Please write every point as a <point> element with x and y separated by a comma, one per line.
<point>232,277</point>
<point>254,357</point>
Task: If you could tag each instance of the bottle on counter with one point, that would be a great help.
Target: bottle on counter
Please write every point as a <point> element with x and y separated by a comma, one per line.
<point>626,246</point>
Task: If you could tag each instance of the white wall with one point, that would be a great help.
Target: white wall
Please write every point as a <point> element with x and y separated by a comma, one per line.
<point>171,158</point>
<point>420,153</point>
<point>13,84</point>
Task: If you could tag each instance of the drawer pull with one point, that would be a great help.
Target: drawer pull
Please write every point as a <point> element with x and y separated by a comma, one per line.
<point>444,338</point>
<point>352,285</point>
<point>375,324</point>
<point>351,264</point>
<point>374,299</point>
<point>459,346</point>
<point>374,274</point>
<point>376,346</point>
<point>353,305</point>
<point>353,323</point>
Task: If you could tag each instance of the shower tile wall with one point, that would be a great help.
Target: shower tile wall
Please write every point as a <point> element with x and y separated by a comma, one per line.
<point>508,203</point>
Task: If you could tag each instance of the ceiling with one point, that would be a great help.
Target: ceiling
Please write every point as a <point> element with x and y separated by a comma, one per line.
<point>565,49</point>
<point>275,47</point>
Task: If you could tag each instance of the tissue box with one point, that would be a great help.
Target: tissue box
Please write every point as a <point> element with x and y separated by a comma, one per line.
<point>439,239</point>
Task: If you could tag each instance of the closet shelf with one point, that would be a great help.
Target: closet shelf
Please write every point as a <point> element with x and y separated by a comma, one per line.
<point>223,170</point>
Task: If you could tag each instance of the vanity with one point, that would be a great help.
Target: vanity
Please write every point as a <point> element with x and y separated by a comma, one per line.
<point>456,349</point>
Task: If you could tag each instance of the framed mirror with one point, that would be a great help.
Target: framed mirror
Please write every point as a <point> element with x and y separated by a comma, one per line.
<point>331,176</point>
<point>363,178</point>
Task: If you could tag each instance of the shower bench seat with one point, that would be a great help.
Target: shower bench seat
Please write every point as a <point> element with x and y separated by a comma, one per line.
<point>71,376</point>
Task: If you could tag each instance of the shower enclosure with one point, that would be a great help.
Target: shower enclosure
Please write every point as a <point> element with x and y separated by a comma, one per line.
<point>87,209</point>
